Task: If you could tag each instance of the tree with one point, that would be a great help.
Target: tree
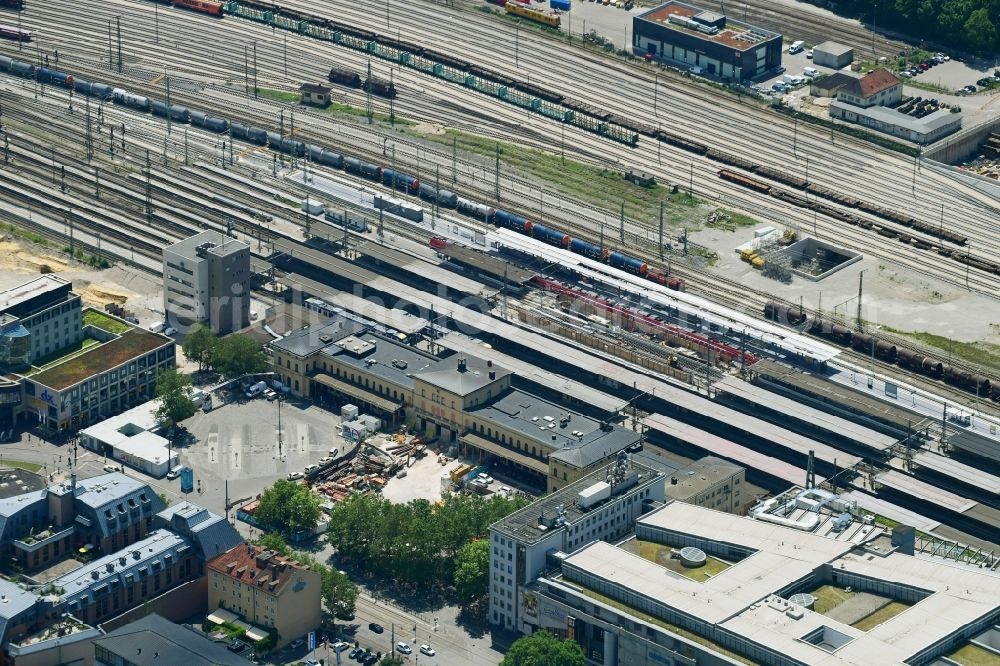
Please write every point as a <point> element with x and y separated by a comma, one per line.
<point>543,649</point>
<point>339,594</point>
<point>472,570</point>
<point>237,355</point>
<point>980,33</point>
<point>175,403</point>
<point>200,344</point>
<point>274,541</point>
<point>289,507</point>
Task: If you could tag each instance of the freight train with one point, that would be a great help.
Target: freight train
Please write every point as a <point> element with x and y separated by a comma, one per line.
<point>865,343</point>
<point>16,34</point>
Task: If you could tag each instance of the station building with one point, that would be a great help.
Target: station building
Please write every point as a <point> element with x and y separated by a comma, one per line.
<point>462,399</point>
<point>700,586</point>
<point>680,33</point>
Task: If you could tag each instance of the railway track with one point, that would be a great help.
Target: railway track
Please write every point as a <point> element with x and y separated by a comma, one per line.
<point>735,293</point>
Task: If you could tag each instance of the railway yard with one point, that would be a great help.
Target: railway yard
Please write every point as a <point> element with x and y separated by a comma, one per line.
<point>473,186</point>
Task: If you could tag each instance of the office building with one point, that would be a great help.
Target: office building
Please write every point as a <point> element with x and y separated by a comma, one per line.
<point>266,590</point>
<point>602,505</point>
<point>699,586</point>
<point>37,318</point>
<point>718,45</point>
<point>206,278</point>
<point>710,482</point>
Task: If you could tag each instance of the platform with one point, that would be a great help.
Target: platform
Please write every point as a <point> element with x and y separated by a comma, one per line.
<point>815,418</point>
<point>487,264</point>
<point>958,470</point>
<point>422,269</point>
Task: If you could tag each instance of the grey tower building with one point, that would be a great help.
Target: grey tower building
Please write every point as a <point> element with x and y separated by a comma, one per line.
<point>206,279</point>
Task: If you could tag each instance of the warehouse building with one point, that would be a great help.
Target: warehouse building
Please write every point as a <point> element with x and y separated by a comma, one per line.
<point>720,46</point>
<point>206,279</point>
<point>701,586</point>
<point>924,130</point>
<point>833,55</point>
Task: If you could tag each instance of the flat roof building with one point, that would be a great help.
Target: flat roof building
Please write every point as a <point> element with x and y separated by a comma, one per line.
<point>722,47</point>
<point>833,55</point>
<point>132,438</point>
<point>155,641</point>
<point>206,279</point>
<point>928,129</point>
<point>602,505</point>
<point>697,585</point>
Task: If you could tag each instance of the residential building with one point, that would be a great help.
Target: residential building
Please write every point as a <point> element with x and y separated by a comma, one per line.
<point>315,94</point>
<point>603,505</point>
<point>37,318</point>
<point>22,613</point>
<point>877,88</point>
<point>210,533</point>
<point>132,438</point>
<point>206,279</point>
<point>719,45</point>
<point>928,129</point>
<point>266,590</point>
<point>156,641</point>
<point>106,512</point>
<point>108,586</point>
<point>833,55</point>
<point>711,482</point>
<point>700,586</point>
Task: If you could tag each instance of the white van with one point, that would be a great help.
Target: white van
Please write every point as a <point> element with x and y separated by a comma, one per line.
<point>792,79</point>
<point>796,47</point>
<point>256,389</point>
<point>810,72</point>
<point>157,327</point>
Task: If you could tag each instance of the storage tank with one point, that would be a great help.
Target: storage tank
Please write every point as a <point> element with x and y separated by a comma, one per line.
<point>627,263</point>
<point>550,236</point>
<point>803,599</point>
<point>591,250</point>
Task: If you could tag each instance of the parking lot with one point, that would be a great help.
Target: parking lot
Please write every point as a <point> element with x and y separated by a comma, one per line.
<point>238,442</point>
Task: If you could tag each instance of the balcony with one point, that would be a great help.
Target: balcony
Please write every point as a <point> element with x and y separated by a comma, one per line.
<point>32,542</point>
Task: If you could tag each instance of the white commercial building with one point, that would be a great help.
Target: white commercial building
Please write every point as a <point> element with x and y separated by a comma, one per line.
<point>699,586</point>
<point>131,438</point>
<point>601,505</point>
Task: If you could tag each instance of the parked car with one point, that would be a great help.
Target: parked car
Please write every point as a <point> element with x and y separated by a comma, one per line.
<point>906,75</point>
<point>326,460</point>
<point>427,649</point>
<point>311,468</point>
<point>110,468</point>
<point>778,86</point>
<point>169,330</point>
<point>370,660</point>
<point>696,70</point>
<point>809,54</point>
<point>403,647</point>
<point>487,478</point>
<point>295,476</point>
<point>809,72</point>
<point>355,652</point>
<point>175,472</point>
<point>296,644</point>
<point>270,394</point>
<point>376,627</point>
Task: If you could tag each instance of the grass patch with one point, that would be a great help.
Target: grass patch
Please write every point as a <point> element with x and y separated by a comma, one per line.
<point>338,109</point>
<point>673,628</point>
<point>65,353</point>
<point>280,95</point>
<point>973,655</point>
<point>602,188</point>
<point>728,220</point>
<point>660,554</point>
<point>104,322</point>
<point>982,353</point>
<point>30,466</point>
<point>887,612</point>
<point>829,597</point>
<point>26,235</point>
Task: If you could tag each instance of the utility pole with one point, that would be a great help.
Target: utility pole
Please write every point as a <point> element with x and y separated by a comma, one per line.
<point>286,53</point>
<point>496,171</point>
<point>156,23</point>
<point>307,216</point>
<point>149,191</point>
<point>392,107</point>
<point>118,20</point>
<point>691,182</point>
<point>437,194</point>
<point>111,58</point>
<point>454,159</point>
<point>661,229</point>
<point>90,137</point>
<point>255,70</point>
<point>861,277</point>
<point>369,111</point>
<point>246,70</point>
<point>622,219</point>
<point>185,146</point>
<point>167,81</point>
